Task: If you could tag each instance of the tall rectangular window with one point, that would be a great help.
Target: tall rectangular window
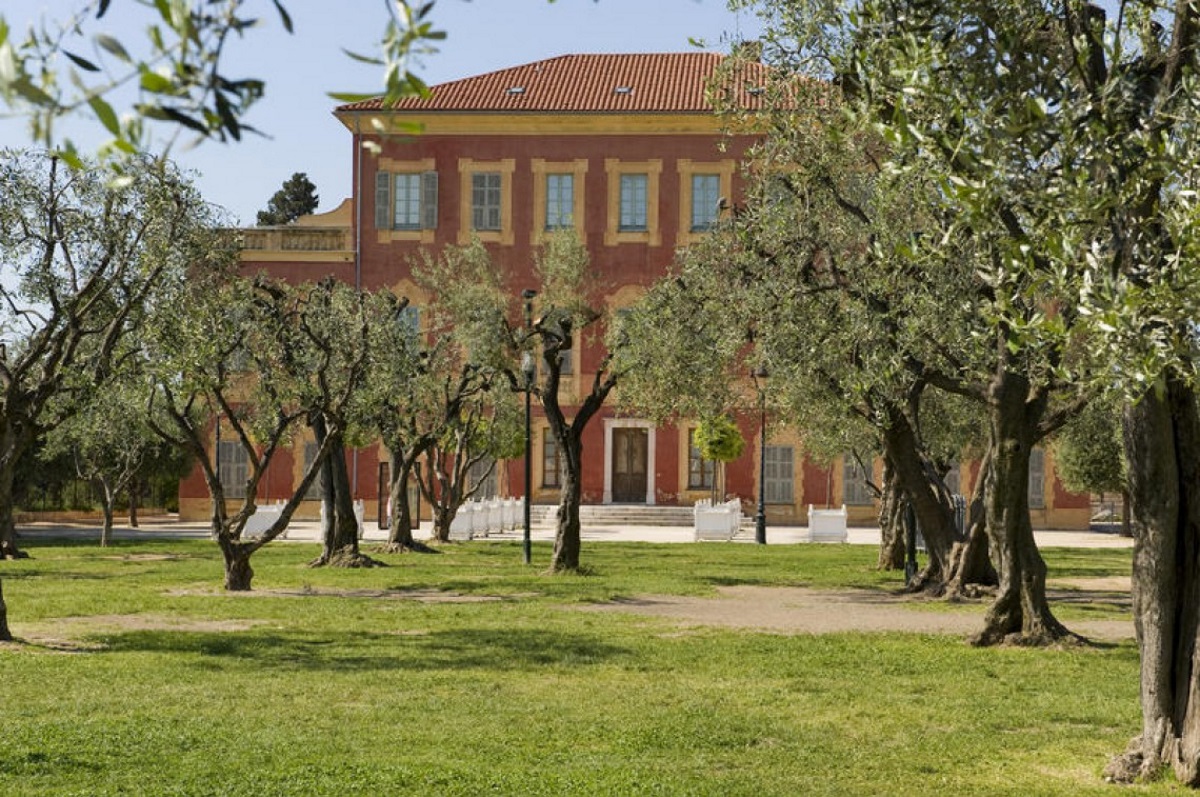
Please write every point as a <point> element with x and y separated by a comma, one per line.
<point>854,483</point>
<point>700,470</point>
<point>485,201</point>
<point>1037,479</point>
<point>551,461</point>
<point>560,201</point>
<point>232,462</point>
<point>706,193</point>
<point>406,200</point>
<point>483,473</point>
<point>779,484</point>
<point>634,193</point>
<point>314,488</point>
<point>410,320</point>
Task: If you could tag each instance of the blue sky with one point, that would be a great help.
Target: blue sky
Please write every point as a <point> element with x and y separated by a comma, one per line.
<point>483,35</point>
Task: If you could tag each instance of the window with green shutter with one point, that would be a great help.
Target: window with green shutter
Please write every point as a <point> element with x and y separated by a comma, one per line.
<point>406,200</point>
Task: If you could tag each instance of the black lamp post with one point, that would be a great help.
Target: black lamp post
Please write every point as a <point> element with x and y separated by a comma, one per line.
<point>529,372</point>
<point>760,518</point>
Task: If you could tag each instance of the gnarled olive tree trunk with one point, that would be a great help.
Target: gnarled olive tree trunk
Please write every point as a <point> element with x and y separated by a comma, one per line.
<point>567,539</point>
<point>1020,611</point>
<point>8,526</point>
<point>970,565</point>
<point>928,497</point>
<point>339,533</point>
<point>891,521</point>
<point>1162,448</point>
<point>400,536</point>
<point>238,573</point>
<point>5,634</point>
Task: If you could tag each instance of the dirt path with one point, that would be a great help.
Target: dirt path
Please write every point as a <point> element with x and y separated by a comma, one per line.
<point>785,610</point>
<point>800,610</point>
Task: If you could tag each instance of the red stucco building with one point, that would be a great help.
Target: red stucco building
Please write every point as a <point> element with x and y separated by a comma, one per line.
<point>626,150</point>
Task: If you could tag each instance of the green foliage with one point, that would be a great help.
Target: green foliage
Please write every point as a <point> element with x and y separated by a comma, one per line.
<point>719,439</point>
<point>1088,451</point>
<point>298,197</point>
<point>89,262</point>
<point>467,304</point>
<point>180,69</point>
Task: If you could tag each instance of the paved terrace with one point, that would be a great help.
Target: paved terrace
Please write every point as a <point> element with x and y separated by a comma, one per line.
<point>308,531</point>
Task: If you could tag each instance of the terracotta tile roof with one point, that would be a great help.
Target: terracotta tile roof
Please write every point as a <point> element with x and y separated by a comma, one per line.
<point>601,83</point>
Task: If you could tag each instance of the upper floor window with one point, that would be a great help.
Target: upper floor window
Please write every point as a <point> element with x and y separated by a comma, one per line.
<point>702,184</point>
<point>406,200</point>
<point>634,196</point>
<point>560,201</point>
<point>485,201</point>
<point>706,193</point>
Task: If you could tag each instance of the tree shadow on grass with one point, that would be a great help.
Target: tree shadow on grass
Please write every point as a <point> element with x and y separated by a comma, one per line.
<point>744,581</point>
<point>460,649</point>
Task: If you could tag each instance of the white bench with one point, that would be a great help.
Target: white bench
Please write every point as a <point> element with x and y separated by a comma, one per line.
<point>719,522</point>
<point>827,525</point>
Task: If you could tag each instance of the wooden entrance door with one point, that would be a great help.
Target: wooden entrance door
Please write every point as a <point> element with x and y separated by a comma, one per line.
<point>629,448</point>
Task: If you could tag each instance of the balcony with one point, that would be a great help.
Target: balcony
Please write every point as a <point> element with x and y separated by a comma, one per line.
<point>296,239</point>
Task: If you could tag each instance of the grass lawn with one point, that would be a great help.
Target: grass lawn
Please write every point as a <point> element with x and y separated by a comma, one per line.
<point>466,673</point>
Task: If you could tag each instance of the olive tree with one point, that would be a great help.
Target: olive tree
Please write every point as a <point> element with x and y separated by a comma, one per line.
<point>82,259</point>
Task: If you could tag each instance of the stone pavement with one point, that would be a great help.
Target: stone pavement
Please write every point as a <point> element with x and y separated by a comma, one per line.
<point>309,530</point>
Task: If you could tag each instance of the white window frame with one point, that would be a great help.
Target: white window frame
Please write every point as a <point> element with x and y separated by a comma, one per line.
<point>706,193</point>
<point>560,201</point>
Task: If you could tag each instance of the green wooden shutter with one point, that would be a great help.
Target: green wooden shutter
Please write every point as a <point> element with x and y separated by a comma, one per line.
<point>383,201</point>
<point>429,200</point>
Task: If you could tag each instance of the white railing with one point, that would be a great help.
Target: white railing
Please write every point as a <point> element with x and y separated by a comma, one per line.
<point>827,525</point>
<point>481,518</point>
<point>716,522</point>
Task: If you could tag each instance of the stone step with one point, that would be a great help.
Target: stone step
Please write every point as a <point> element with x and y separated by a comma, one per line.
<point>620,515</point>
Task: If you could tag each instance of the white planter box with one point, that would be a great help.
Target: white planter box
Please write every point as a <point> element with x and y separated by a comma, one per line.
<point>827,525</point>
<point>718,522</point>
<point>263,518</point>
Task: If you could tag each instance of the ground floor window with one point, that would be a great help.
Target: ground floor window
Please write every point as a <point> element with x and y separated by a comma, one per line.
<point>700,470</point>
<point>1037,479</point>
<point>315,491</point>
<point>779,475</point>
<point>487,479</point>
<point>232,464</point>
<point>854,483</point>
<point>551,461</point>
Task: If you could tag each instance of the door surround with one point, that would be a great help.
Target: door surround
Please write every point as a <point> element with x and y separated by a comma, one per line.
<point>628,423</point>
